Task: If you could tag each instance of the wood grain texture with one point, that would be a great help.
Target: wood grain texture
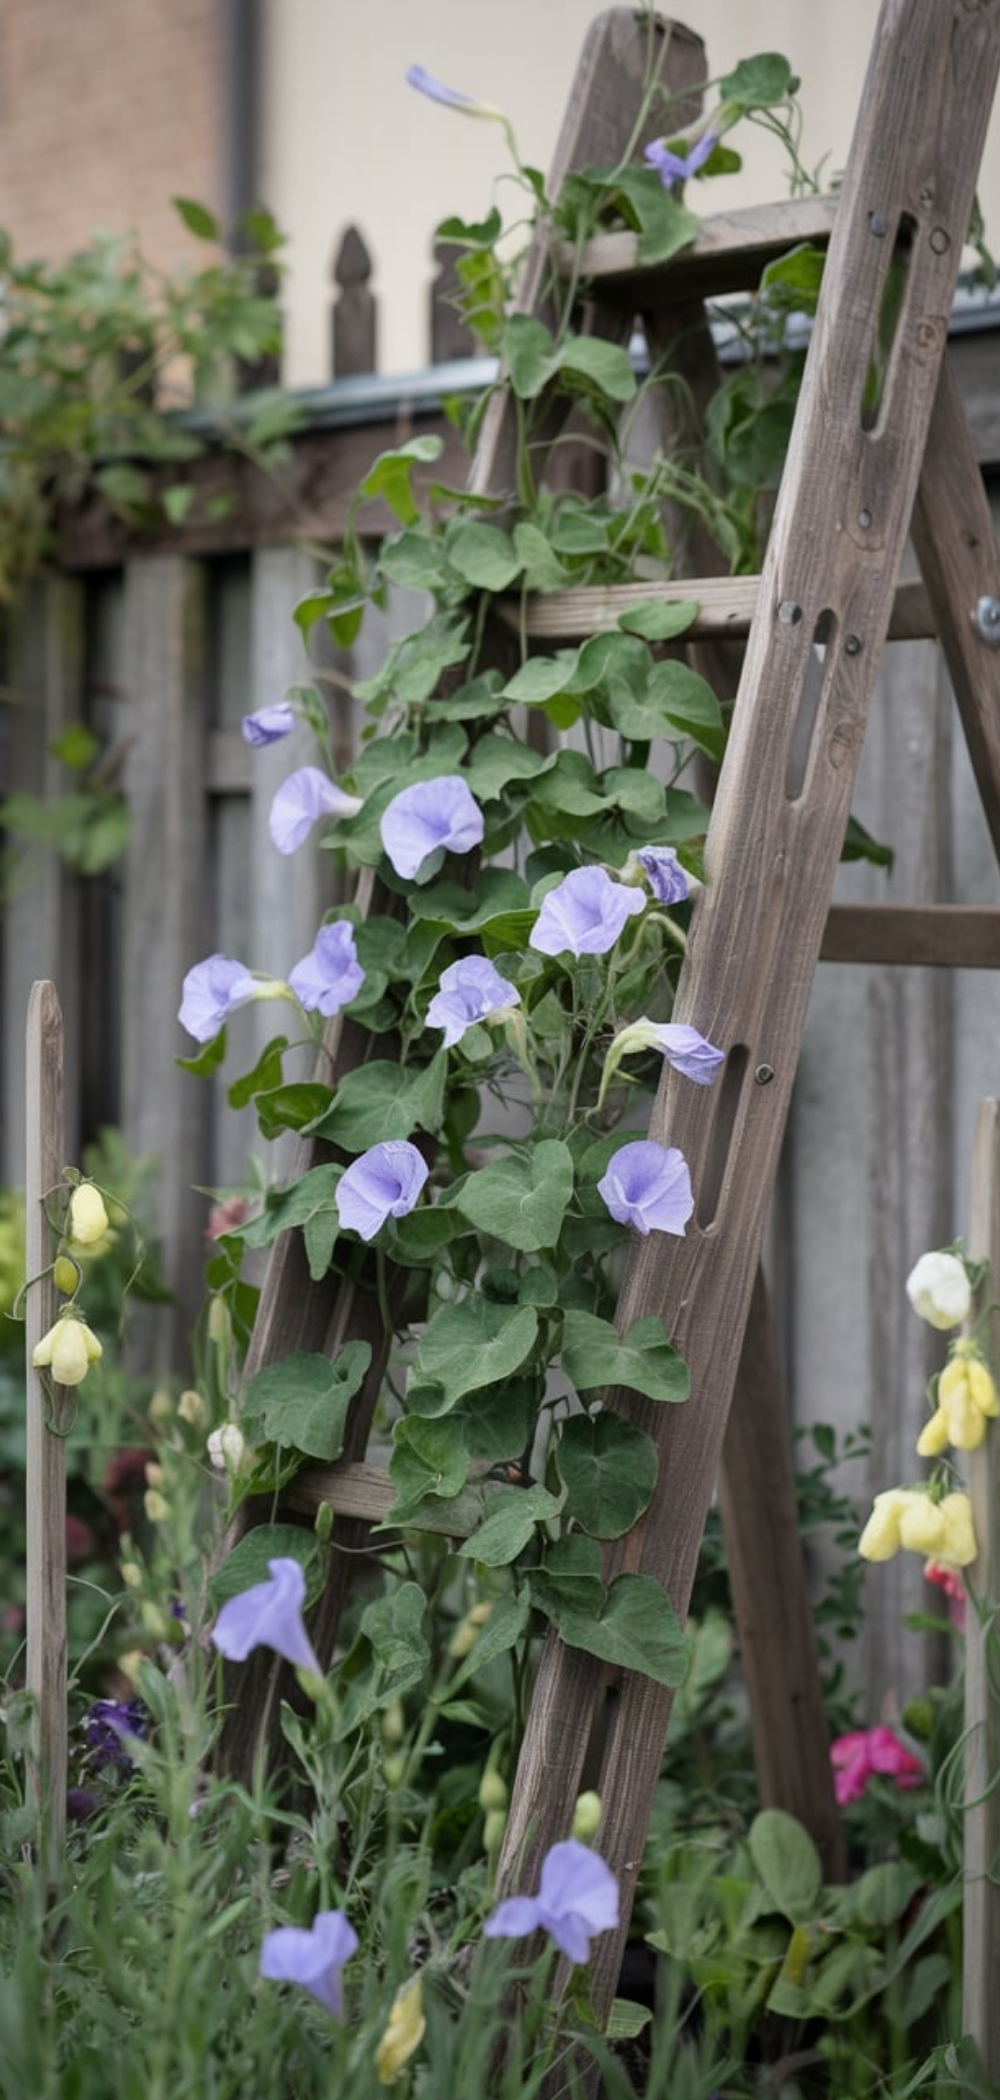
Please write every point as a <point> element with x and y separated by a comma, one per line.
<point>956,545</point>
<point>935,936</point>
<point>726,606</point>
<point>50,1410</point>
<point>727,255</point>
<point>981,1824</point>
<point>771,855</point>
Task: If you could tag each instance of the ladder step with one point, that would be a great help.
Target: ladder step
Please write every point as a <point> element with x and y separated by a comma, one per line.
<point>726,606</point>
<point>728,255</point>
<point>365,1491</point>
<point>939,936</point>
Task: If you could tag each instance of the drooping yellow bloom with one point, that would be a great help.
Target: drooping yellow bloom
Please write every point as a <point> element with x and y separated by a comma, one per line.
<point>960,1545</point>
<point>404,2033</point>
<point>921,1525</point>
<point>68,1349</point>
<point>911,1517</point>
<point>935,1435</point>
<point>968,1396</point>
<point>880,1538</point>
<point>88,1219</point>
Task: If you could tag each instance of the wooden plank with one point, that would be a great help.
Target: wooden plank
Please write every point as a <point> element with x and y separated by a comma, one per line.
<point>166,925</point>
<point>767,1572</point>
<point>726,609</point>
<point>956,545</point>
<point>981,1814</point>
<point>929,936</point>
<point>728,254</point>
<point>835,547</point>
<point>41,907</point>
<point>50,1410</point>
<point>366,1491</point>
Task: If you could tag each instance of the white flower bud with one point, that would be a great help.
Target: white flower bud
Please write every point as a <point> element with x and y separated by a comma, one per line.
<point>938,1290</point>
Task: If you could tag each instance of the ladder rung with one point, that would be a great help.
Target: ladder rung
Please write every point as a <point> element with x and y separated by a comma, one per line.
<point>364,1491</point>
<point>941,936</point>
<point>726,607</point>
<point>728,254</point>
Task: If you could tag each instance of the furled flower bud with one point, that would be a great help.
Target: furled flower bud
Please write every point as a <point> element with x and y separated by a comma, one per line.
<point>88,1219</point>
<point>494,1826</point>
<point>968,1397</point>
<point>191,1408</point>
<point>938,1289</point>
<point>493,1790</point>
<point>65,1275</point>
<point>228,1450</point>
<point>155,1505</point>
<point>466,1632</point>
<point>934,1436</point>
<point>587,1817</point>
<point>68,1349</point>
<point>403,2034</point>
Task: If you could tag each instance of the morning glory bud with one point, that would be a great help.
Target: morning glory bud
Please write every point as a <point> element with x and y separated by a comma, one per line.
<point>938,1289</point>
<point>689,1053</point>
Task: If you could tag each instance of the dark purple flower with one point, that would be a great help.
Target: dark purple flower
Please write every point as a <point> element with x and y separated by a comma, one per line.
<point>648,1186</point>
<point>584,914</point>
<point>382,1183</point>
<point>330,976</point>
<point>313,1958</point>
<point>303,798</point>
<point>81,1804</point>
<point>432,816</point>
<point>577,1898</point>
<point>107,1729</point>
<point>469,991</point>
<point>211,992</point>
<point>676,167</point>
<point>268,1616</point>
<point>664,874</point>
<point>269,724</point>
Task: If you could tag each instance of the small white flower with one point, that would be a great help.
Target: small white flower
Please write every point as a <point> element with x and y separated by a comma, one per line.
<point>938,1290</point>
<point>227,1448</point>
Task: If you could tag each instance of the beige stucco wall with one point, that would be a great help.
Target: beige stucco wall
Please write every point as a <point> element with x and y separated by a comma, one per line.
<point>345,139</point>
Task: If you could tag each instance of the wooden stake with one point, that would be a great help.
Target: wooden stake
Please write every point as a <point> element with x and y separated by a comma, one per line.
<point>46,1454</point>
<point>981,1908</point>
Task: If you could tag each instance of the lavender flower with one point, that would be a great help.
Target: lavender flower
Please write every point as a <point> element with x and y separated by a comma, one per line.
<point>577,1898</point>
<point>382,1183</point>
<point>418,77</point>
<point>469,991</point>
<point>683,1047</point>
<point>313,1958</point>
<point>269,724</point>
<point>300,800</point>
<point>663,872</point>
<point>432,816</point>
<point>585,914</point>
<point>211,992</point>
<point>330,976</point>
<point>268,1616</point>
<point>107,1728</point>
<point>677,167</point>
<point>648,1186</point>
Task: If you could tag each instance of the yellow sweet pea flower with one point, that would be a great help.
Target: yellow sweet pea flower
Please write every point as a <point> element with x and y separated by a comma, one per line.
<point>404,2033</point>
<point>935,1435</point>
<point>88,1219</point>
<point>921,1525</point>
<point>959,1547</point>
<point>968,1396</point>
<point>880,1537</point>
<point>67,1350</point>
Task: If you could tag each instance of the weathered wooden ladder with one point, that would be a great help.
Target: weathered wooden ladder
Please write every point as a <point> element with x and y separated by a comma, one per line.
<point>815,623</point>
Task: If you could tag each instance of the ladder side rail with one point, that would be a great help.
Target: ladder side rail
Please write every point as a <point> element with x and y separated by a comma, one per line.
<point>835,547</point>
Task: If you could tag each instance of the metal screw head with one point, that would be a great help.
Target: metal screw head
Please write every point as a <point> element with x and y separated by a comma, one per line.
<point>789,613</point>
<point>940,240</point>
<point>864,519</point>
<point>763,1074</point>
<point>987,619</point>
<point>877,224</point>
<point>852,645</point>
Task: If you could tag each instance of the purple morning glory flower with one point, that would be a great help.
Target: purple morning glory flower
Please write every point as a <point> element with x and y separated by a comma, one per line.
<point>418,77</point>
<point>300,801</point>
<point>432,816</point>
<point>664,874</point>
<point>382,1183</point>
<point>268,1616</point>
<point>330,976</point>
<point>211,992</point>
<point>648,1186</point>
<point>686,1050</point>
<point>585,914</point>
<point>577,1898</point>
<point>107,1728</point>
<point>269,724</point>
<point>312,1958</point>
<point>469,991</point>
<point>676,167</point>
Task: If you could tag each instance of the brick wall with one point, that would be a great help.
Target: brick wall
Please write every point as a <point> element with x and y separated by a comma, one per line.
<point>107,109</point>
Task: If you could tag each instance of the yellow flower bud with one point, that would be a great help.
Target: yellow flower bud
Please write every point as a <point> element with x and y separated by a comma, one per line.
<point>154,1474</point>
<point>464,1637</point>
<point>494,1825</point>
<point>155,1505</point>
<point>935,1436</point>
<point>161,1407</point>
<point>191,1408</point>
<point>403,2034</point>
<point>65,1275</point>
<point>968,1395</point>
<point>587,1817</point>
<point>131,1574</point>
<point>880,1537</point>
<point>921,1525</point>
<point>493,1791</point>
<point>131,1663</point>
<point>155,1620</point>
<point>88,1220</point>
<point>959,1547</point>
<point>220,1325</point>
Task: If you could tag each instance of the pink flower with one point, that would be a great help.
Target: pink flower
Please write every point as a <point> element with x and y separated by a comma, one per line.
<point>949,1580</point>
<point>857,1757</point>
